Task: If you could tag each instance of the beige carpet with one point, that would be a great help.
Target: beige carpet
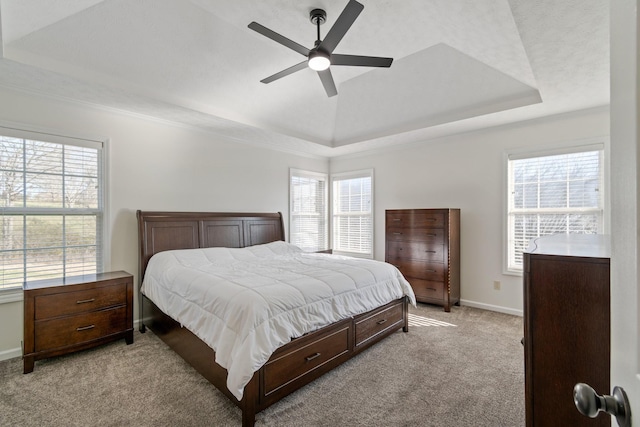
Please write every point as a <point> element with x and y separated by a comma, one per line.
<point>463,368</point>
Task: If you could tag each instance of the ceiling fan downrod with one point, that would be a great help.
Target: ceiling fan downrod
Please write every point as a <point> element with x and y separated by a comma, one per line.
<point>317,18</point>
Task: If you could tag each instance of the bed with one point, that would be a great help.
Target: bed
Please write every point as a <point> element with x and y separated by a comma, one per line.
<point>286,357</point>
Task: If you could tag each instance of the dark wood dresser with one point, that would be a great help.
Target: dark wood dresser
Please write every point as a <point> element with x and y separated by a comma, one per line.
<point>566,326</point>
<point>425,246</point>
<point>66,315</point>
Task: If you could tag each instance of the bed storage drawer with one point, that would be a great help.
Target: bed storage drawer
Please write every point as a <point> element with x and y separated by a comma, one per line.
<point>314,355</point>
<point>373,324</point>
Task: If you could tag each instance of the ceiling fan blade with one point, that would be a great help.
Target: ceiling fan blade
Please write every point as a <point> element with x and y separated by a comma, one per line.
<point>328,83</point>
<point>285,72</point>
<point>341,26</point>
<point>279,38</point>
<point>361,61</point>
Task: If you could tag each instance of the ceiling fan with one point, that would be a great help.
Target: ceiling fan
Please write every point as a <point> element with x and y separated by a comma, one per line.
<point>321,56</point>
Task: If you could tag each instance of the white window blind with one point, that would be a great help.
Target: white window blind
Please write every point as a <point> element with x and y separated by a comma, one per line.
<point>308,210</point>
<point>552,194</point>
<point>352,213</point>
<point>51,208</point>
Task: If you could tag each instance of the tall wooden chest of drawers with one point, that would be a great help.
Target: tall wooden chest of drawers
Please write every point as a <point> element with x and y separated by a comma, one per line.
<point>567,332</point>
<point>66,315</point>
<point>425,246</point>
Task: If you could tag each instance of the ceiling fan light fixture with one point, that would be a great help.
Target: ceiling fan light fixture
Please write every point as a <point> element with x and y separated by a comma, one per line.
<point>319,61</point>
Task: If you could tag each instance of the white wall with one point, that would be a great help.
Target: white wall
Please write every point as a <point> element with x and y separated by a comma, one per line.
<point>467,172</point>
<point>155,166</point>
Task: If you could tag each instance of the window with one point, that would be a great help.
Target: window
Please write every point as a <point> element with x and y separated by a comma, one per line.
<point>51,207</point>
<point>352,213</point>
<point>551,194</point>
<point>308,210</point>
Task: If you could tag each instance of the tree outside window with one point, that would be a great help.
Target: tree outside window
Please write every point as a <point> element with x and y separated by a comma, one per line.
<point>50,210</point>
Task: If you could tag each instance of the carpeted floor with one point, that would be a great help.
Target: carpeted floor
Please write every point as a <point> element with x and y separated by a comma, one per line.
<point>463,368</point>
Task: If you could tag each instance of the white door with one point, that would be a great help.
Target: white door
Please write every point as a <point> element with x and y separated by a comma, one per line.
<point>625,199</point>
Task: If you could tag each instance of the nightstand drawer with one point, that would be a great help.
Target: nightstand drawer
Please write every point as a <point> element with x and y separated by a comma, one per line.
<point>67,303</point>
<point>66,331</point>
<point>419,269</point>
<point>415,220</point>
<point>430,235</point>
<point>416,250</point>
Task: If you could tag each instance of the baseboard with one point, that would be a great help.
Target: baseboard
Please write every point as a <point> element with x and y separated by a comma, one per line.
<point>10,354</point>
<point>491,307</point>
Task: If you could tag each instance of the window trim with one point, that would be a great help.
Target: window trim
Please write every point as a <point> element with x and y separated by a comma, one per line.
<point>10,295</point>
<point>24,131</point>
<point>325,215</point>
<point>362,173</point>
<point>566,147</point>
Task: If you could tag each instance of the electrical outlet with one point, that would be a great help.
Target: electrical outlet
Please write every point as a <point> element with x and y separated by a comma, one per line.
<point>496,285</point>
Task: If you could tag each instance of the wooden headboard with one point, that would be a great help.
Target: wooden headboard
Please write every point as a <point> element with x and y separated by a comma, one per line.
<point>163,231</point>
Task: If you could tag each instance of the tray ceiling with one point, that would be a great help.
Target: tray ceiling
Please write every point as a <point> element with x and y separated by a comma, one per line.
<point>458,65</point>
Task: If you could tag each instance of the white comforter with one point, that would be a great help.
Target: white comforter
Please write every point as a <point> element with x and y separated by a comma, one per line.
<point>245,303</point>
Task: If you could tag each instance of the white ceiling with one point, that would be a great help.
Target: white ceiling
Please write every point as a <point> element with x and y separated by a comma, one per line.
<point>459,65</point>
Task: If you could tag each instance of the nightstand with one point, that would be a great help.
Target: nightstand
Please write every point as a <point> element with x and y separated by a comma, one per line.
<point>66,315</point>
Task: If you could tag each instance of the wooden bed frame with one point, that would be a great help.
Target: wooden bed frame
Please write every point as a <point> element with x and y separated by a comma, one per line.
<point>293,365</point>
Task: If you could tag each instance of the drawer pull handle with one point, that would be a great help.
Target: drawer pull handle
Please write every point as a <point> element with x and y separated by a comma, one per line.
<point>380,322</point>
<point>431,289</point>
<point>84,328</point>
<point>431,219</point>
<point>431,235</point>
<point>397,234</point>
<point>430,271</point>
<point>313,356</point>
<point>83,301</point>
<point>397,219</point>
<point>430,252</point>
